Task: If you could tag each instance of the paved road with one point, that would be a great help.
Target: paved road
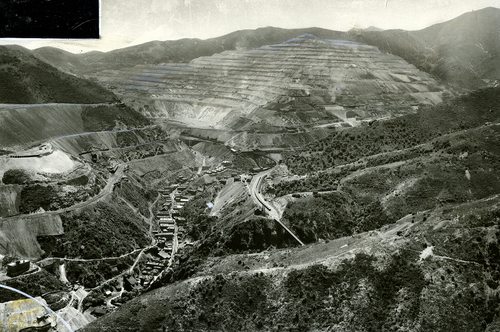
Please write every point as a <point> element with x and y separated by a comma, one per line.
<point>257,197</point>
<point>150,220</point>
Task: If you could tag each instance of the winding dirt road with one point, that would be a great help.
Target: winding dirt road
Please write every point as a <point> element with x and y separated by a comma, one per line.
<point>108,189</point>
<point>257,197</point>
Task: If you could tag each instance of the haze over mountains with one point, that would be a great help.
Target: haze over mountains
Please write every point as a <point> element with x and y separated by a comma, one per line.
<point>266,180</point>
<point>462,51</point>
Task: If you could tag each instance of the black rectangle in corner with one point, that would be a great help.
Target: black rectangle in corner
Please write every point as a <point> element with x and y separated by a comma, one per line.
<point>73,19</point>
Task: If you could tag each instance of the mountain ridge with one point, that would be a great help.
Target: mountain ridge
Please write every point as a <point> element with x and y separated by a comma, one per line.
<point>424,48</point>
<point>463,51</point>
<point>27,80</point>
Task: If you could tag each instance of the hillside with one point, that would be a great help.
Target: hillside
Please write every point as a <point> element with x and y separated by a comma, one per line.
<point>463,51</point>
<point>24,124</point>
<point>416,275</point>
<point>465,112</point>
<point>28,80</point>
<point>277,95</point>
<point>442,155</point>
<point>406,238</point>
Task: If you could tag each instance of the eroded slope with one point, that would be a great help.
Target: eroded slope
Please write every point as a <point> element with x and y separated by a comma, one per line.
<point>292,89</point>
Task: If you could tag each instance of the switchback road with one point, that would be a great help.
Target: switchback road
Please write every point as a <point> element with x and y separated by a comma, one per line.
<point>257,197</point>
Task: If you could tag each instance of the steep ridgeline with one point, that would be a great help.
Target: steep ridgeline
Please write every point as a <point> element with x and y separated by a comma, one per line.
<point>305,83</point>
<point>27,80</point>
<point>182,50</point>
<point>39,102</point>
<point>462,52</point>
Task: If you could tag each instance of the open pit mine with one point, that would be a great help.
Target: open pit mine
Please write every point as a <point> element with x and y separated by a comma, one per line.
<point>277,95</point>
<point>311,184</point>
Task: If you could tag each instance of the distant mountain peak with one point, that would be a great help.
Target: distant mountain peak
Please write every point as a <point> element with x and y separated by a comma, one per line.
<point>309,38</point>
<point>372,28</point>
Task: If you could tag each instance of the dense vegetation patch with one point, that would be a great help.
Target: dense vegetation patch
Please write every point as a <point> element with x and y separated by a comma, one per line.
<point>53,197</point>
<point>103,230</point>
<point>137,196</point>
<point>35,284</point>
<point>93,273</point>
<point>15,176</point>
<point>81,180</point>
<point>256,234</point>
<point>98,118</point>
<point>334,215</point>
<point>35,196</point>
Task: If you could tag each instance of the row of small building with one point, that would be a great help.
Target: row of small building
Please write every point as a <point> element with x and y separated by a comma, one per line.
<point>167,227</point>
<point>167,222</point>
<point>182,188</point>
<point>219,169</point>
<point>165,237</point>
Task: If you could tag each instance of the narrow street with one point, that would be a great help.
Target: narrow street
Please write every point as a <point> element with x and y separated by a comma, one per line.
<point>137,260</point>
<point>127,271</point>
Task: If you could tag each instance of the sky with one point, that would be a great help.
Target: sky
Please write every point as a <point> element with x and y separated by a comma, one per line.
<point>126,22</point>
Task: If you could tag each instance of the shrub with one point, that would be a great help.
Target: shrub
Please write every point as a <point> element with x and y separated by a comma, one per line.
<point>15,176</point>
<point>36,196</point>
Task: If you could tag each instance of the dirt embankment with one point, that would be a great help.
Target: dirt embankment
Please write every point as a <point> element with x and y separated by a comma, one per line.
<point>18,236</point>
<point>55,163</point>
<point>33,123</point>
<point>233,193</point>
<point>165,164</point>
<point>77,144</point>
<point>24,124</point>
<point>10,199</point>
